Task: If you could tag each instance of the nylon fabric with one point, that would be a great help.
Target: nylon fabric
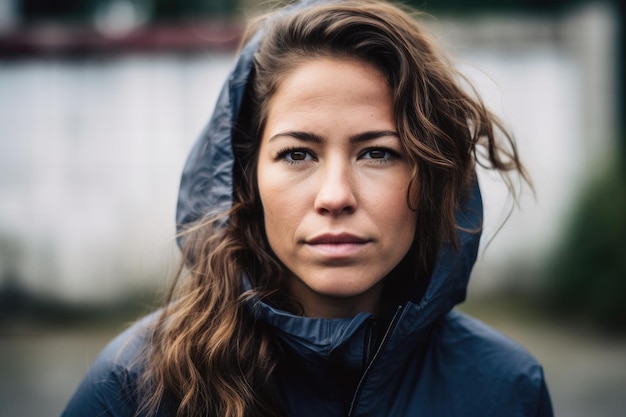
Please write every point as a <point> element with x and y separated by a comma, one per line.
<point>427,360</point>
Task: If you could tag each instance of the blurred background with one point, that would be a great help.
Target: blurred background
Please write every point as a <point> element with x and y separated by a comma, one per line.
<point>100,101</point>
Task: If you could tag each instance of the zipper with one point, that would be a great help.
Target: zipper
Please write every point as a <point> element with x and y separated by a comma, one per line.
<point>369,342</point>
<point>359,388</point>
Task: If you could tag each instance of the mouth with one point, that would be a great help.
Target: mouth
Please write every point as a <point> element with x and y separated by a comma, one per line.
<point>336,239</point>
<point>342,245</point>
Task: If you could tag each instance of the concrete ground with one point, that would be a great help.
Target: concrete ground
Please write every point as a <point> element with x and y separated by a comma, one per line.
<point>586,371</point>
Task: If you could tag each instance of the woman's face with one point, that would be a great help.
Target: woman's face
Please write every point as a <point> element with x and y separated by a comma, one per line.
<point>333,182</point>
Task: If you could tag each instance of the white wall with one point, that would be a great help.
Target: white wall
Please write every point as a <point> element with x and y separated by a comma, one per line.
<point>90,159</point>
<point>91,150</point>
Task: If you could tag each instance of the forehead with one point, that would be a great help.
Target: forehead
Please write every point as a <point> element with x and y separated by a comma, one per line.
<point>331,90</point>
<point>334,75</point>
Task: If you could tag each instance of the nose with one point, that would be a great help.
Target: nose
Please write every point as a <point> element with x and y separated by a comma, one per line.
<point>336,190</point>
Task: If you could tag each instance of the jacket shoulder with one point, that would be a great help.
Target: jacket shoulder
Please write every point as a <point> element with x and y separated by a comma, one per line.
<point>492,371</point>
<point>463,335</point>
<point>109,387</point>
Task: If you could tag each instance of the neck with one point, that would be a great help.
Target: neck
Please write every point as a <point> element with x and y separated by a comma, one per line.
<point>317,305</point>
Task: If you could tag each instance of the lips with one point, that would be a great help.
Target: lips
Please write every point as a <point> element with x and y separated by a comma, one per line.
<point>336,239</point>
<point>337,246</point>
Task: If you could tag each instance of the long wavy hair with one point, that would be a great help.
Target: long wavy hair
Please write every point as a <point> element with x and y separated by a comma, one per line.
<point>207,353</point>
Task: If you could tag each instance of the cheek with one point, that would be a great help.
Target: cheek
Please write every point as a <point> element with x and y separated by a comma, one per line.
<point>393,192</point>
<point>400,217</point>
<point>278,205</point>
<point>394,212</point>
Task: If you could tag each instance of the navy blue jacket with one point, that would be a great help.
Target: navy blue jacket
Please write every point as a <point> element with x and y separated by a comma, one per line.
<point>424,360</point>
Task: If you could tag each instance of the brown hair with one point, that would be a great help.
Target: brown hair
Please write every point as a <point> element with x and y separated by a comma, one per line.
<point>207,351</point>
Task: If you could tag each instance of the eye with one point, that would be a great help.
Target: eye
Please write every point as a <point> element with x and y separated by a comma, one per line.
<point>295,155</point>
<point>379,154</point>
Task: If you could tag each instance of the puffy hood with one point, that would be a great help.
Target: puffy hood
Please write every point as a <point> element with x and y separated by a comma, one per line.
<point>207,186</point>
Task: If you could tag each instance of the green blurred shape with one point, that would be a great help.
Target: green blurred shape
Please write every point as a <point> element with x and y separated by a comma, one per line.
<point>164,9</point>
<point>497,6</point>
<point>58,10</point>
<point>587,276</point>
<point>83,10</point>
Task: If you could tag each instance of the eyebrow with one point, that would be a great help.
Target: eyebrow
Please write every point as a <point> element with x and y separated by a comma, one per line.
<point>313,138</point>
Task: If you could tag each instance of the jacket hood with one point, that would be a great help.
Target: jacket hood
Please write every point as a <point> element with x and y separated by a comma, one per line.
<point>207,187</point>
<point>207,180</point>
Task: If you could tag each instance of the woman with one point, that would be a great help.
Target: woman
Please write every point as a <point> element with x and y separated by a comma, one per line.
<point>330,217</point>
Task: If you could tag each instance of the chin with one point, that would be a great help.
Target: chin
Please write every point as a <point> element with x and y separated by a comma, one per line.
<point>341,285</point>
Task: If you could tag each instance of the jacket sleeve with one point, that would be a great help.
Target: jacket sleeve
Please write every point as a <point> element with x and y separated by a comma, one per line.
<point>109,389</point>
<point>544,404</point>
<point>105,391</point>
